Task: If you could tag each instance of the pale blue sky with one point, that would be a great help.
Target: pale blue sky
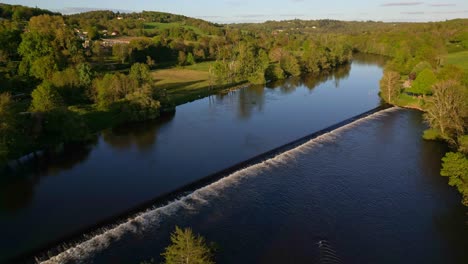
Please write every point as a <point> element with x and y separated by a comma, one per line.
<point>260,10</point>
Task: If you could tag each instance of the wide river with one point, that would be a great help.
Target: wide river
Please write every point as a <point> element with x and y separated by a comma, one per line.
<point>370,191</point>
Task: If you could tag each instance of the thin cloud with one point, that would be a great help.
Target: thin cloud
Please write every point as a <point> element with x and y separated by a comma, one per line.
<point>251,15</point>
<point>442,5</point>
<point>403,4</point>
<point>451,12</point>
<point>413,13</point>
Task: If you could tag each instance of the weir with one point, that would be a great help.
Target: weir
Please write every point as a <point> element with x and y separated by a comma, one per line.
<point>83,244</point>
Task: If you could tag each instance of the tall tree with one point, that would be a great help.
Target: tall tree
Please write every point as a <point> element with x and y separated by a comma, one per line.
<point>390,86</point>
<point>187,248</point>
<point>448,109</point>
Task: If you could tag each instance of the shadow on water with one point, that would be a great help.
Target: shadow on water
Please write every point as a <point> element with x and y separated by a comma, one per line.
<point>17,184</point>
<point>141,135</point>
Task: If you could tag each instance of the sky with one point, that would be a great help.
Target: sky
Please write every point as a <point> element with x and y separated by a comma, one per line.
<point>238,11</point>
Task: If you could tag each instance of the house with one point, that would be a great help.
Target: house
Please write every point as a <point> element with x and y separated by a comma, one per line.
<point>114,33</point>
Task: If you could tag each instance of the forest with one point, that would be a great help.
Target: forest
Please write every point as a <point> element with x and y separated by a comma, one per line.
<point>64,78</point>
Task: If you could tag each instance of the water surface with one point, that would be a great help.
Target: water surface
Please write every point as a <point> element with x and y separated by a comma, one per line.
<point>124,167</point>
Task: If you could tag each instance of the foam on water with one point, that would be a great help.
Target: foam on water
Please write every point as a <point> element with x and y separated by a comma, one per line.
<point>190,202</point>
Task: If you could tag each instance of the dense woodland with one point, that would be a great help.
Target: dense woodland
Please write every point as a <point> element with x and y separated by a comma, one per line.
<point>64,78</point>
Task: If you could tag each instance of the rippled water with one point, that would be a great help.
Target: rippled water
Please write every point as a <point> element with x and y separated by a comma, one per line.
<point>371,190</point>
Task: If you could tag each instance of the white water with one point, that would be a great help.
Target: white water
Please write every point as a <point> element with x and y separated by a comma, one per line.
<point>200,197</point>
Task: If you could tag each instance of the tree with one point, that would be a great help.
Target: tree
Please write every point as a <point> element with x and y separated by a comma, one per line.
<point>448,109</point>
<point>6,124</point>
<point>389,86</point>
<point>187,248</point>
<point>290,65</point>
<point>46,46</point>
<point>45,98</point>
<point>455,166</point>
<point>423,83</point>
<point>190,59</point>
<point>121,51</point>
<point>85,74</point>
<point>141,73</point>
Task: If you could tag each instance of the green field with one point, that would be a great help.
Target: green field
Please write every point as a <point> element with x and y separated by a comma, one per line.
<point>185,83</point>
<point>459,58</point>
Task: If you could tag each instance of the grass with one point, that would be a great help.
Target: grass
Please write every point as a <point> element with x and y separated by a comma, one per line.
<point>184,83</point>
<point>405,100</point>
<point>459,59</point>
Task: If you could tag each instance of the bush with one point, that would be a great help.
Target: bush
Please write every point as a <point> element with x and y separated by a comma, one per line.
<point>432,134</point>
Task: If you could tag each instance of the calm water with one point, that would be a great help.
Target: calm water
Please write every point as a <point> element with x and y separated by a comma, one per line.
<point>371,189</point>
<point>127,166</point>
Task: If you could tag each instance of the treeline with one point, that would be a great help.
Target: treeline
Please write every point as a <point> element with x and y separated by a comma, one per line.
<point>417,76</point>
<point>65,99</point>
<point>21,13</point>
<point>140,24</point>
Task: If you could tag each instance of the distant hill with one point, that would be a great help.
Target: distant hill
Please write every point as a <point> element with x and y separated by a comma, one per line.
<point>18,12</point>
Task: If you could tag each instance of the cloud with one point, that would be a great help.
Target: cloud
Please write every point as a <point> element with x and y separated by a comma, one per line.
<point>442,4</point>
<point>291,15</point>
<point>251,15</point>
<point>413,13</point>
<point>451,12</point>
<point>403,3</point>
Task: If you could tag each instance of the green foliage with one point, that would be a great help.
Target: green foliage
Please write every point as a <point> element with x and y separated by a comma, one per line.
<point>432,134</point>
<point>423,83</point>
<point>60,125</point>
<point>47,46</point>
<point>85,74</point>
<point>187,248</point>
<point>455,166</point>
<point>7,121</point>
<point>113,87</point>
<point>140,106</point>
<point>274,72</point>
<point>290,65</point>
<point>190,59</point>
<point>141,73</point>
<point>421,66</point>
<point>45,98</point>
<point>463,144</point>
<point>121,52</point>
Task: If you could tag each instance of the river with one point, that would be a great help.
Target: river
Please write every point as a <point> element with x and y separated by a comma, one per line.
<point>360,187</point>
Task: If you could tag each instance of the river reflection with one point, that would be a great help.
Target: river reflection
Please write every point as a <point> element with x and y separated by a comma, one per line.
<point>143,135</point>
